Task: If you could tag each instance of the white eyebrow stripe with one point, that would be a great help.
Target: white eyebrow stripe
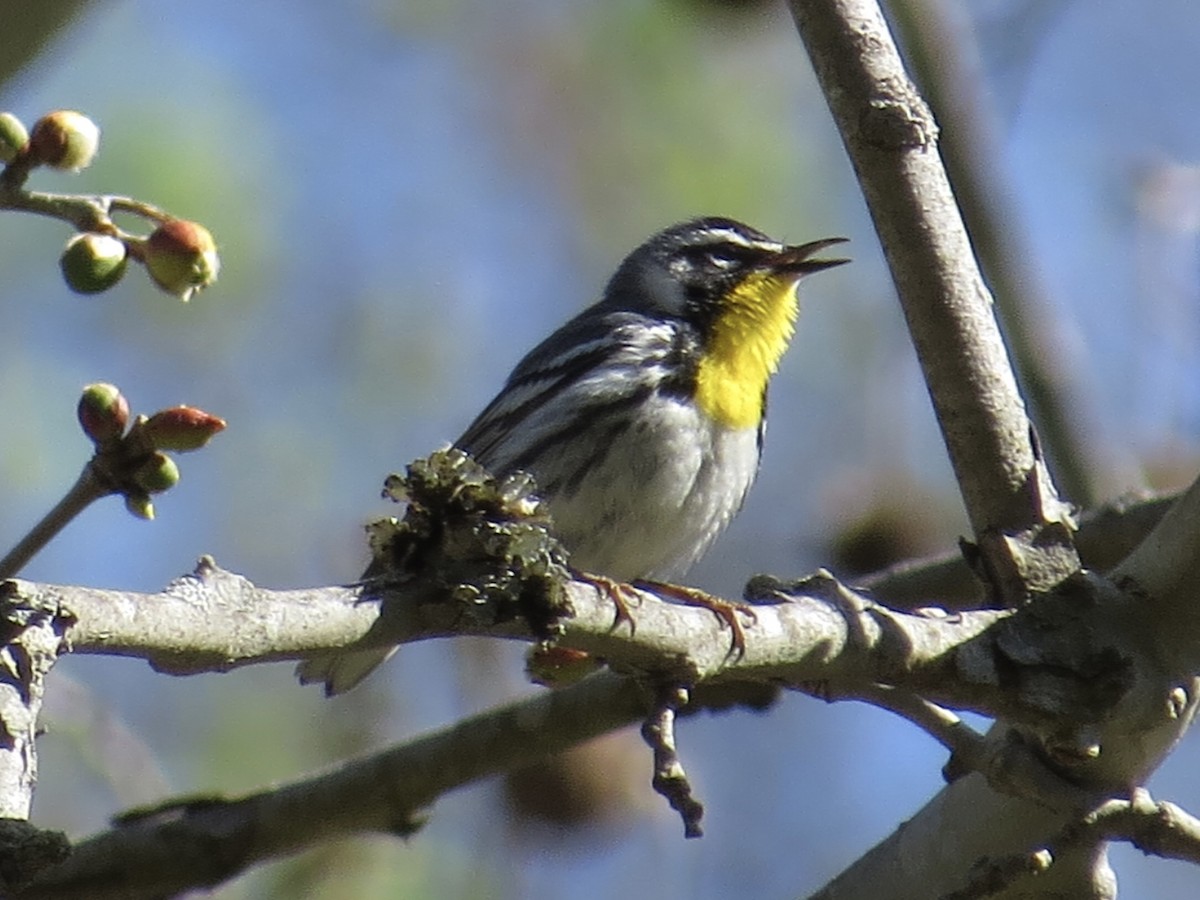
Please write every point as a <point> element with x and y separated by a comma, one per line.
<point>731,236</point>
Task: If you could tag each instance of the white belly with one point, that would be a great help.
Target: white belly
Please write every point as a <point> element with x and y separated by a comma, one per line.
<point>657,494</point>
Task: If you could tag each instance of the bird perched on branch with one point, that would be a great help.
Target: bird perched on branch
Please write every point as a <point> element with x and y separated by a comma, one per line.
<point>642,418</point>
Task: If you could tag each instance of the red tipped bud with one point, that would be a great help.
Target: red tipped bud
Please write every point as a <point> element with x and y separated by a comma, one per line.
<point>157,474</point>
<point>553,666</point>
<point>64,139</point>
<point>92,263</point>
<point>13,137</point>
<point>103,412</point>
<point>181,428</point>
<point>140,505</point>
<point>181,257</point>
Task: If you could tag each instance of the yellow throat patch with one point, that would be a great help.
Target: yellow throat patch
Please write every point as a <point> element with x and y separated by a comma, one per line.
<point>749,336</point>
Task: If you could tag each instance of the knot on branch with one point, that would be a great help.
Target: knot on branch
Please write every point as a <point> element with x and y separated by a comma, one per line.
<point>1058,653</point>
<point>484,542</point>
<point>31,636</point>
<point>1016,565</point>
<point>899,119</point>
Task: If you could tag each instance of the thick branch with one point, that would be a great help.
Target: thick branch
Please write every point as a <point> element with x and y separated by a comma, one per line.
<point>32,640</point>
<point>1023,530</point>
<point>988,660</point>
<point>1059,661</point>
<point>940,45</point>
<point>1106,536</point>
<point>203,841</point>
<point>1164,565</point>
<point>892,141</point>
<point>1051,662</point>
<point>214,621</point>
<point>1163,569</point>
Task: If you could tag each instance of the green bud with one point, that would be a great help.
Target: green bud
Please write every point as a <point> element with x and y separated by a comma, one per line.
<point>181,257</point>
<point>140,505</point>
<point>181,428</point>
<point>103,412</point>
<point>64,139</point>
<point>13,137</point>
<point>92,263</point>
<point>157,474</point>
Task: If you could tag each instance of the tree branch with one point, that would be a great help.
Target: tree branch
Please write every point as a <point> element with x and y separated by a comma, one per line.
<point>940,45</point>
<point>1106,536</point>
<point>202,841</point>
<point>1162,829</point>
<point>892,141</point>
<point>1038,664</point>
<point>86,490</point>
<point>815,629</point>
<point>1025,550</point>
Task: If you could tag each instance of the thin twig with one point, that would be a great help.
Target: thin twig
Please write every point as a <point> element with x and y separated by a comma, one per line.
<point>86,212</point>
<point>939,723</point>
<point>670,779</point>
<point>86,490</point>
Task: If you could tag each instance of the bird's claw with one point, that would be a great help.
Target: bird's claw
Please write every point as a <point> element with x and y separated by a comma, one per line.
<point>724,610</point>
<point>620,594</point>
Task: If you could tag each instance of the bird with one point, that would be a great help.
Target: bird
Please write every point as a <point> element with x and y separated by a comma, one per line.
<point>642,418</point>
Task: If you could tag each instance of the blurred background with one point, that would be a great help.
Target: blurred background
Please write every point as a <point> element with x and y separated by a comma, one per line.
<point>408,196</point>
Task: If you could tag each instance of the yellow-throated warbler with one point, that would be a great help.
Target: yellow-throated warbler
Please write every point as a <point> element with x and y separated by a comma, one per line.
<point>642,418</point>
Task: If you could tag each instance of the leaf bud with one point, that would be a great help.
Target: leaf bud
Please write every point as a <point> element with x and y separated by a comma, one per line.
<point>64,139</point>
<point>181,257</point>
<point>140,505</point>
<point>157,474</point>
<point>92,263</point>
<point>103,412</point>
<point>13,137</point>
<point>181,428</point>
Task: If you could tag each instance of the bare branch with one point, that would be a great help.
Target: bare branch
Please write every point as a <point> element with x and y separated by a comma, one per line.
<point>1106,536</point>
<point>1164,565</point>
<point>1039,665</point>
<point>1024,533</point>
<point>940,45</point>
<point>32,641</point>
<point>1162,829</point>
<point>942,725</point>
<point>670,780</point>
<point>892,141</point>
<point>202,841</point>
<point>87,212</point>
<point>87,489</point>
<point>1060,661</point>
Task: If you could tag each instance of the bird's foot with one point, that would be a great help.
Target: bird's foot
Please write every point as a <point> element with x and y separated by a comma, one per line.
<point>724,610</point>
<point>619,593</point>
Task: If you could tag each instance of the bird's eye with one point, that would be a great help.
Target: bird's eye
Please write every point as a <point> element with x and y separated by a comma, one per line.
<point>721,261</point>
<point>710,260</point>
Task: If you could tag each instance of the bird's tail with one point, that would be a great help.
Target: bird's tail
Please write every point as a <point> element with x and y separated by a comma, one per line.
<point>341,671</point>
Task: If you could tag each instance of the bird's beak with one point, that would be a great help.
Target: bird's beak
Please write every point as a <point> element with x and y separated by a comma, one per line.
<point>798,260</point>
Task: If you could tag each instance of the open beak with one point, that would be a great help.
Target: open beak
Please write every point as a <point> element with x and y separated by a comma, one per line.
<point>798,259</point>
